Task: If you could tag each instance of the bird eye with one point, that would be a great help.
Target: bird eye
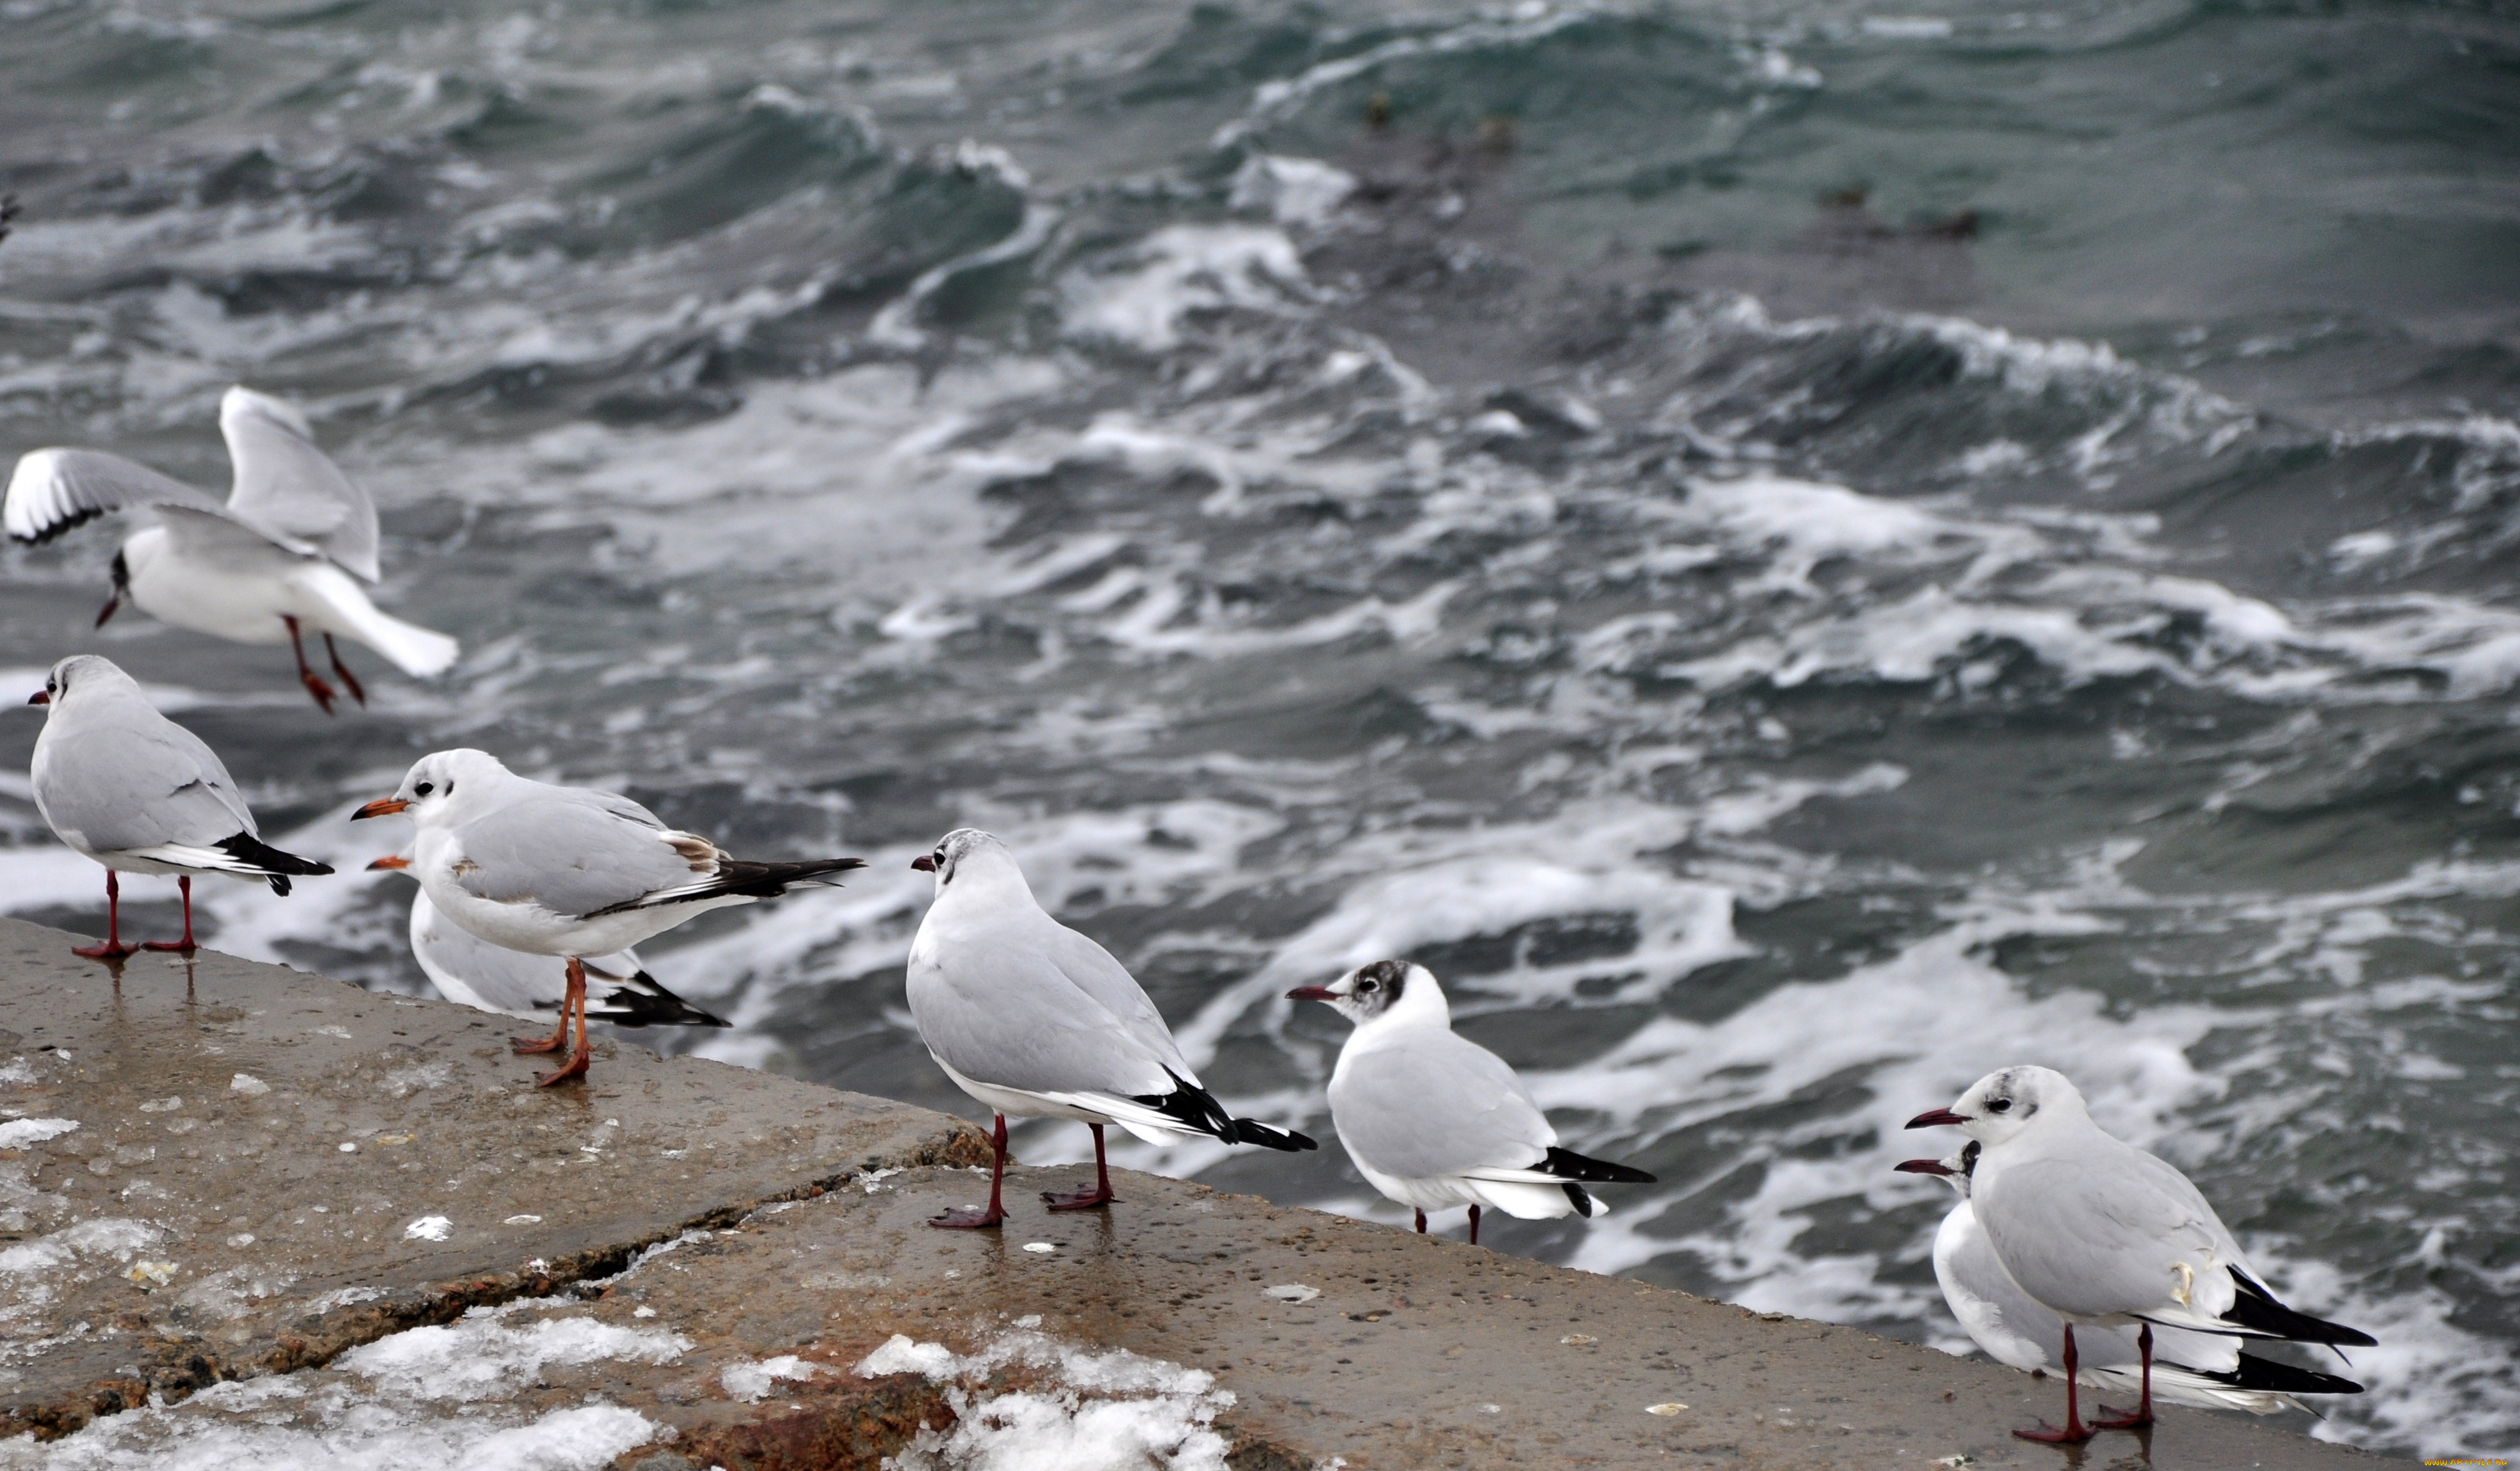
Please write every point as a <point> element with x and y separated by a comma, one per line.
<point>423,789</point>
<point>2001,1105</point>
<point>1364,986</point>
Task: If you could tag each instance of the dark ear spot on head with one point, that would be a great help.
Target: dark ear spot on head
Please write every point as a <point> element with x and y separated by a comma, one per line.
<point>1968,1156</point>
<point>1388,976</point>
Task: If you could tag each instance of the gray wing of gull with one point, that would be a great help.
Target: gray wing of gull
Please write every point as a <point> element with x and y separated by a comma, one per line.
<point>55,490</point>
<point>2014,1329</point>
<point>559,848</point>
<point>283,482</point>
<point>1098,974</point>
<point>494,976</point>
<point>123,777</point>
<point>1428,1103</point>
<point>2102,1231</point>
<point>997,1010</point>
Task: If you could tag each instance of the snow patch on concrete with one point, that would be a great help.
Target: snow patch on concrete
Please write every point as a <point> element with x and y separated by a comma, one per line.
<point>1090,1411</point>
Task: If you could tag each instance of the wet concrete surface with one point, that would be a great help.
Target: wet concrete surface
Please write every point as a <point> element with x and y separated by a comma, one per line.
<point>204,1221</point>
<point>270,1167</point>
<point>1418,1352</point>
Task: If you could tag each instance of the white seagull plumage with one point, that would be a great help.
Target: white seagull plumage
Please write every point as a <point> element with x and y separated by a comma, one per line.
<point>1433,1119</point>
<point>2103,1235</point>
<point>566,871</point>
<point>280,558</point>
<point>471,971</point>
<point>126,787</point>
<point>1038,1021</point>
<point>2204,1369</point>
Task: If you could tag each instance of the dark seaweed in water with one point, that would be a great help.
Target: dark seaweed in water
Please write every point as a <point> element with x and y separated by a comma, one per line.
<point>1794,559</point>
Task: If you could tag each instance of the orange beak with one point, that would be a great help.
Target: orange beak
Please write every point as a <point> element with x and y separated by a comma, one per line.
<point>39,698</point>
<point>390,860</point>
<point>382,807</point>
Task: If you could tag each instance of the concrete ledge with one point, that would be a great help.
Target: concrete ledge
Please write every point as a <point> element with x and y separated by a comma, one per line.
<point>214,1100</point>
<point>793,1222</point>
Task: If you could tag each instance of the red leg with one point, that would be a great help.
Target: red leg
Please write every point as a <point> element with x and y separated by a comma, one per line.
<point>574,1002</point>
<point>551,1043</point>
<point>1474,1225</point>
<point>185,946</point>
<point>1086,1200</point>
<point>1421,1223</point>
<point>113,949</point>
<point>313,681</point>
<point>556,1042</point>
<point>2075,1431</point>
<point>342,671</point>
<point>967,1221</point>
<point>2142,1416</point>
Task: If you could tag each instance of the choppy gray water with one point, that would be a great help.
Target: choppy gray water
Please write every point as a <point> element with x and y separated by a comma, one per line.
<point>1776,659</point>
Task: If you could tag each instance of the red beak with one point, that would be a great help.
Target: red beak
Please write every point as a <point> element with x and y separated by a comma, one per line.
<point>1923,1167</point>
<point>925,862</point>
<point>1935,1116</point>
<point>39,698</point>
<point>382,807</point>
<point>1312,993</point>
<point>391,861</point>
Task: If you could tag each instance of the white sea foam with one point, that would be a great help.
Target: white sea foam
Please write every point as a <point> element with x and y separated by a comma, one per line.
<point>1179,270</point>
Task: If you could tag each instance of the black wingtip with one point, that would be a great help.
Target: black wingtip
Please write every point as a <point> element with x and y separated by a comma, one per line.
<point>64,526</point>
<point>268,861</point>
<point>2257,1310</point>
<point>645,1004</point>
<point>1583,1199</point>
<point>2272,1376</point>
<point>1194,1107</point>
<point>1566,1164</point>
<point>1254,1131</point>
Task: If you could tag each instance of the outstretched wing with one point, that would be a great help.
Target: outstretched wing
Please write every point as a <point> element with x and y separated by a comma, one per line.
<point>55,490</point>
<point>285,483</point>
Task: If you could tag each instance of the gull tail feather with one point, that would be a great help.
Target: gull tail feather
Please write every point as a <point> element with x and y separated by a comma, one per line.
<point>1529,1200</point>
<point>416,650</point>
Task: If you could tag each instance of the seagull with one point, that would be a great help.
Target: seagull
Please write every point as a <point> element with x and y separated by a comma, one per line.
<point>1435,1120</point>
<point>2205,1369</point>
<point>471,971</point>
<point>2105,1235</point>
<point>566,871</point>
<point>137,792</point>
<point>277,560</point>
<point>1036,1020</point>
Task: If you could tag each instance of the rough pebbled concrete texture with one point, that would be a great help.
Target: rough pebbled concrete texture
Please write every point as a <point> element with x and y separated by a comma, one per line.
<point>214,1101</point>
<point>797,1216</point>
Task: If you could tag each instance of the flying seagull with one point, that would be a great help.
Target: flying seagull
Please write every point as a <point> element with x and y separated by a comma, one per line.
<point>471,971</point>
<point>276,560</point>
<point>2205,1369</point>
<point>1435,1120</point>
<point>139,794</point>
<point>567,872</point>
<point>2104,1236</point>
<point>1035,1020</point>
